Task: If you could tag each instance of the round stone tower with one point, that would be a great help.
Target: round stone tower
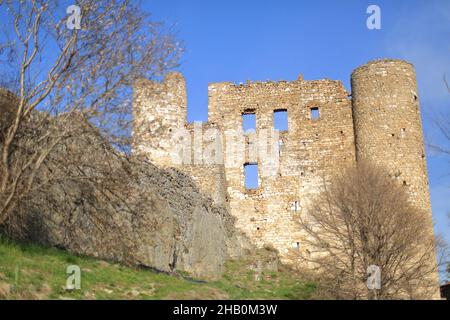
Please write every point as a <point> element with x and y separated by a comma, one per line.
<point>388,129</point>
<point>387,122</point>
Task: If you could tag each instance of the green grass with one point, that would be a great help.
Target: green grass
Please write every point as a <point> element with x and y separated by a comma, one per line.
<point>34,272</point>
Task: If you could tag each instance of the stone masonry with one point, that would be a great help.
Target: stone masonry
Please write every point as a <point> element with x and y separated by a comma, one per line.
<point>380,121</point>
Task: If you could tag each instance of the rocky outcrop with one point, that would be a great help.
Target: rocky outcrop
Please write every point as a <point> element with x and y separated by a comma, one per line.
<point>8,103</point>
<point>95,201</point>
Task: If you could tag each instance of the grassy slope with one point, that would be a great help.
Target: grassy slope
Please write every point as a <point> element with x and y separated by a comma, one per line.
<point>34,272</point>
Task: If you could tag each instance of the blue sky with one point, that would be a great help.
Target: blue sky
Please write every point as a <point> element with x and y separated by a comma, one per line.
<point>259,40</point>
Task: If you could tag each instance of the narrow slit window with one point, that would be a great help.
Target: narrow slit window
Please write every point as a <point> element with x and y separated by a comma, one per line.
<point>251,176</point>
<point>315,114</point>
<point>280,120</point>
<point>295,206</point>
<point>249,122</point>
<point>402,132</point>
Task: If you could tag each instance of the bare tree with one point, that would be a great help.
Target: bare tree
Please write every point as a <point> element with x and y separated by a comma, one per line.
<point>448,272</point>
<point>441,120</point>
<point>363,218</point>
<point>55,71</point>
<point>443,256</point>
<point>448,255</point>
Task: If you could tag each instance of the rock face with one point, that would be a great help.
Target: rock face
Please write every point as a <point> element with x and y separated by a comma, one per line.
<point>94,201</point>
<point>8,102</point>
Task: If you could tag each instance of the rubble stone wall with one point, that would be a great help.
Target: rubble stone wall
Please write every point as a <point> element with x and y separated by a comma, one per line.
<point>380,122</point>
<point>386,114</point>
<point>309,151</point>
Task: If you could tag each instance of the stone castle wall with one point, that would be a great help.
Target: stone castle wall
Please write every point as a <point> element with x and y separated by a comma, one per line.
<point>387,120</point>
<point>309,151</point>
<point>380,122</point>
<point>158,110</point>
<point>388,128</point>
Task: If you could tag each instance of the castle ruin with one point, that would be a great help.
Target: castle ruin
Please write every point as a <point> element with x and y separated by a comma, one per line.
<point>327,130</point>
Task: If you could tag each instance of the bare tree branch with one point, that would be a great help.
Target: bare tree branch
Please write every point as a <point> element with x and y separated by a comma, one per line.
<point>364,218</point>
<point>58,72</point>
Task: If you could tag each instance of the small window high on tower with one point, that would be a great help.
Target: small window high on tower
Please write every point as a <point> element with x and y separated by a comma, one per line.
<point>315,114</point>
